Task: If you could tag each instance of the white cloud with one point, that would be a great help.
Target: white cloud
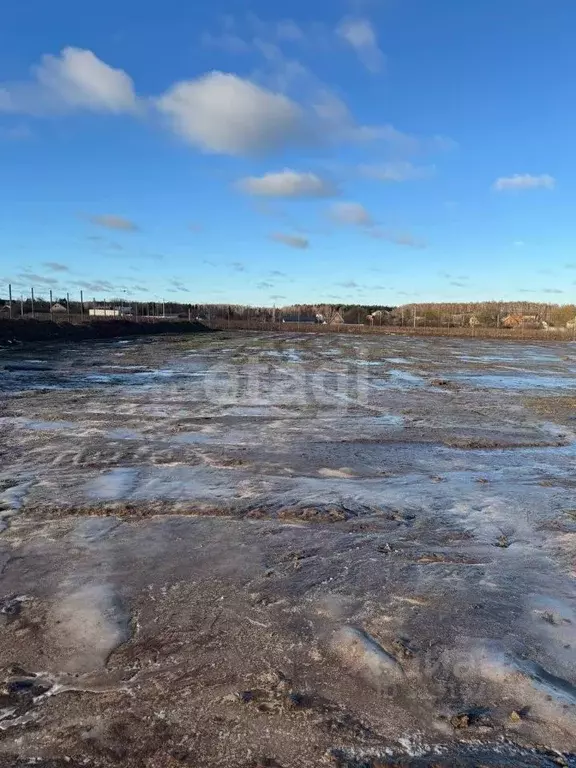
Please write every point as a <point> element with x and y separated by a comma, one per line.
<point>361,35</point>
<point>109,221</point>
<point>524,181</point>
<point>76,79</point>
<point>293,241</point>
<point>224,114</point>
<point>397,171</point>
<point>287,183</point>
<point>351,213</point>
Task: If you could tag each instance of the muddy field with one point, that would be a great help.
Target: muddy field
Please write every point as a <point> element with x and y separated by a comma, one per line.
<point>288,551</point>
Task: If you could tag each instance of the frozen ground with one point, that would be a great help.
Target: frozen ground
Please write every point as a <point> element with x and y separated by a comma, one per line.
<point>291,551</point>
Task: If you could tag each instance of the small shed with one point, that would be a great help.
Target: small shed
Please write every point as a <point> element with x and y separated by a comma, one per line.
<point>58,308</point>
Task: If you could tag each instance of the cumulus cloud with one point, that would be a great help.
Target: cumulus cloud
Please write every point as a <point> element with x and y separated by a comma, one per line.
<point>109,221</point>
<point>76,79</point>
<point>225,114</point>
<point>397,171</point>
<point>56,266</point>
<point>293,241</point>
<point>287,183</point>
<point>524,181</point>
<point>361,35</point>
<point>351,213</point>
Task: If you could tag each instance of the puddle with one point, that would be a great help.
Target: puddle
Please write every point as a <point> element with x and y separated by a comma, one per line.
<point>517,382</point>
<point>49,426</point>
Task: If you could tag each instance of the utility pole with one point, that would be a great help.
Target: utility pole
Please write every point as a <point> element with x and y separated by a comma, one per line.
<point>51,317</point>
<point>82,306</point>
<point>10,301</point>
<point>68,305</point>
<point>414,317</point>
<point>21,305</point>
<point>32,296</point>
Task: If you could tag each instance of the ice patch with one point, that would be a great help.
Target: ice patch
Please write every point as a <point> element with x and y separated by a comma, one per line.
<point>363,655</point>
<point>85,627</point>
<point>112,485</point>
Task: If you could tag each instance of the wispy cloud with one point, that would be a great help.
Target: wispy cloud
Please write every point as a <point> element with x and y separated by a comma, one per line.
<point>118,223</point>
<point>56,266</point>
<point>33,279</point>
<point>238,266</point>
<point>523,182</point>
<point>178,285</point>
<point>397,171</point>
<point>398,238</point>
<point>97,286</point>
<point>264,285</point>
<point>14,132</point>
<point>288,184</point>
<point>225,41</point>
<point>361,35</point>
<point>293,241</point>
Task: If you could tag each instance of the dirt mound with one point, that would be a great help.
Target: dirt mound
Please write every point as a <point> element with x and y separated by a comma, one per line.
<point>14,331</point>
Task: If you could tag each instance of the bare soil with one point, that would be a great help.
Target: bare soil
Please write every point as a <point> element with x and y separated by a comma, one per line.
<point>288,550</point>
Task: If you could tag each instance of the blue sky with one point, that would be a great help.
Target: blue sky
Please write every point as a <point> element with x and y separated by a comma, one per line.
<point>375,151</point>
